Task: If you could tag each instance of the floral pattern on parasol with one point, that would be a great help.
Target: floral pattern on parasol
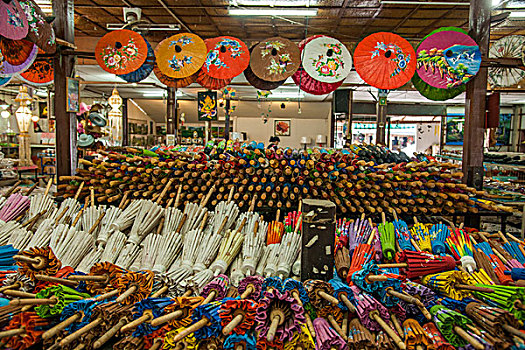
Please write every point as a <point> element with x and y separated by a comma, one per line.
<point>40,31</point>
<point>385,60</point>
<point>227,57</point>
<point>121,52</point>
<point>13,20</point>
<point>274,59</point>
<point>326,59</point>
<point>181,55</point>
<point>40,73</point>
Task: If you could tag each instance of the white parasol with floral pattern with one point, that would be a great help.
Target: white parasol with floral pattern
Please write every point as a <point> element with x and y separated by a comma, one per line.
<point>326,59</point>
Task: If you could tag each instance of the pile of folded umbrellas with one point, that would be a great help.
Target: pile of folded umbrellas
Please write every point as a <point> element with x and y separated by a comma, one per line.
<point>359,180</point>
<point>142,275</point>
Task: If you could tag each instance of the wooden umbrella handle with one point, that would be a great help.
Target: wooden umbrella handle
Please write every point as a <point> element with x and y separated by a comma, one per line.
<point>62,325</point>
<point>203,322</point>
<point>63,281</point>
<point>391,333</point>
<point>167,318</point>
<point>110,333</point>
<point>232,324</point>
<point>468,338</point>
<point>330,298</point>
<point>48,187</point>
<point>77,334</point>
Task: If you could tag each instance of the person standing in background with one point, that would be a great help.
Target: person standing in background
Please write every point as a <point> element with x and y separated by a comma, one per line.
<point>274,143</point>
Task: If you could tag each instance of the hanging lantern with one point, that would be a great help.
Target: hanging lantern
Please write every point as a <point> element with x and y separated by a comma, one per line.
<point>115,101</point>
<point>23,118</point>
<point>23,97</point>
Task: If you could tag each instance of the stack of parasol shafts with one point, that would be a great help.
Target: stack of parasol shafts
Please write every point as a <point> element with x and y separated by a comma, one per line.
<point>356,182</point>
<point>404,299</point>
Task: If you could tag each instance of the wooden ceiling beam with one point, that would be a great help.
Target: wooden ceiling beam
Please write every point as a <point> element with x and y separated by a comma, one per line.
<point>106,11</point>
<point>365,28</point>
<point>407,17</point>
<point>340,15</point>
<point>432,25</point>
<point>172,14</point>
<point>210,19</point>
<point>90,21</point>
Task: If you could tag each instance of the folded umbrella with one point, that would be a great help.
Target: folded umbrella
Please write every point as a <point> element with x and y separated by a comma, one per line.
<point>388,238</point>
<point>250,287</point>
<point>238,316</point>
<point>24,330</point>
<point>452,325</point>
<point>37,261</point>
<point>418,264</point>
<point>498,322</point>
<point>327,338</point>
<point>439,233</point>
<point>415,336</point>
<point>245,341</point>
<point>439,342</point>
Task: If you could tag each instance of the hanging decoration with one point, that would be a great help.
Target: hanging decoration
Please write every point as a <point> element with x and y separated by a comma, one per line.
<point>121,51</point>
<point>275,59</point>
<point>181,55</point>
<point>13,20</point>
<point>40,31</point>
<point>211,83</point>
<point>306,82</point>
<point>385,60</point>
<point>326,59</point>
<point>115,101</point>
<point>173,82</point>
<point>448,58</point>
<point>145,69</point>
<point>507,47</point>
<point>207,105</point>
<point>227,57</point>
<point>260,84</point>
<point>40,73</point>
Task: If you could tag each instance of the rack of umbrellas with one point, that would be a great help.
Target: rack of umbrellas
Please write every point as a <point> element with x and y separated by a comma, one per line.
<point>369,179</point>
<point>79,275</point>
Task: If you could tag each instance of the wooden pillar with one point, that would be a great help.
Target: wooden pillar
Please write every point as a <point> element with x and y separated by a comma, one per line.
<point>381,124</point>
<point>125,125</point>
<point>171,113</point>
<point>227,120</point>
<point>479,30</point>
<point>66,124</point>
<point>349,117</point>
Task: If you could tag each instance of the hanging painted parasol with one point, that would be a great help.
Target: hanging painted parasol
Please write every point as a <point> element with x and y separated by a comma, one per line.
<point>144,71</point>
<point>40,73</point>
<point>181,55</point>
<point>5,80</point>
<point>121,51</point>
<point>13,20</point>
<point>507,47</point>
<point>433,93</point>
<point>210,83</point>
<point>447,59</point>
<point>227,57</point>
<point>326,59</point>
<point>17,57</point>
<point>260,84</point>
<point>40,31</point>
<point>275,59</point>
<point>306,82</point>
<point>173,82</point>
<point>385,60</point>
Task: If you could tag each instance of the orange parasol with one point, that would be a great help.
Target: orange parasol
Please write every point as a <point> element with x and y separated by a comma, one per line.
<point>227,57</point>
<point>15,52</point>
<point>211,83</point>
<point>385,60</point>
<point>40,73</point>
<point>121,51</point>
<point>181,55</point>
<point>275,59</point>
<point>173,82</point>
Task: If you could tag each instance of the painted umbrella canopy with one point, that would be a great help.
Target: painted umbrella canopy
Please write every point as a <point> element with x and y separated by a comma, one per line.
<point>211,83</point>
<point>326,59</point>
<point>13,20</point>
<point>309,84</point>
<point>258,82</point>
<point>434,93</point>
<point>18,55</point>
<point>507,47</point>
<point>40,73</point>
<point>40,31</point>
<point>174,82</point>
<point>447,59</point>
<point>144,71</point>
<point>385,60</point>
<point>275,59</point>
<point>227,57</point>
<point>121,51</point>
<point>181,55</point>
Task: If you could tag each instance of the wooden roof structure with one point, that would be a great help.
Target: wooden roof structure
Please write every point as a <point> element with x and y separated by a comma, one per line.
<point>347,20</point>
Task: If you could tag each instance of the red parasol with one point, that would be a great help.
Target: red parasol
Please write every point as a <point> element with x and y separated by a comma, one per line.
<point>40,31</point>
<point>227,57</point>
<point>40,73</point>
<point>211,83</point>
<point>385,60</point>
<point>121,51</point>
<point>180,55</point>
<point>306,82</point>
<point>419,264</point>
<point>275,59</point>
<point>173,82</point>
<point>13,20</point>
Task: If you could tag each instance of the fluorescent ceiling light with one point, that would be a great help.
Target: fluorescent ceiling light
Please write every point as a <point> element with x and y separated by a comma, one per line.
<point>495,3</point>
<point>300,12</point>
<point>295,3</point>
<point>160,93</point>
<point>46,6</point>
<point>517,14</point>
<point>286,94</point>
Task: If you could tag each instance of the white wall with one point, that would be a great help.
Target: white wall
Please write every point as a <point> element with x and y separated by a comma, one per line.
<point>427,135</point>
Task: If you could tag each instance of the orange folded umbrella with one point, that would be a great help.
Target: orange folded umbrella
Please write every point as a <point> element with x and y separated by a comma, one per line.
<point>121,51</point>
<point>181,55</point>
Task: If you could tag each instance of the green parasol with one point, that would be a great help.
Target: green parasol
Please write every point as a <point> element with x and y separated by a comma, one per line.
<point>387,236</point>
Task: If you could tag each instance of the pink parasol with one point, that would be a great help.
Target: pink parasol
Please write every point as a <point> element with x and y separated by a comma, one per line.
<point>327,338</point>
<point>15,205</point>
<point>13,20</point>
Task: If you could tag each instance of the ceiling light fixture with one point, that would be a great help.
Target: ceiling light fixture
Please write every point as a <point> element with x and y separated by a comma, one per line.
<point>298,12</point>
<point>517,14</point>
<point>428,3</point>
<point>272,3</point>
